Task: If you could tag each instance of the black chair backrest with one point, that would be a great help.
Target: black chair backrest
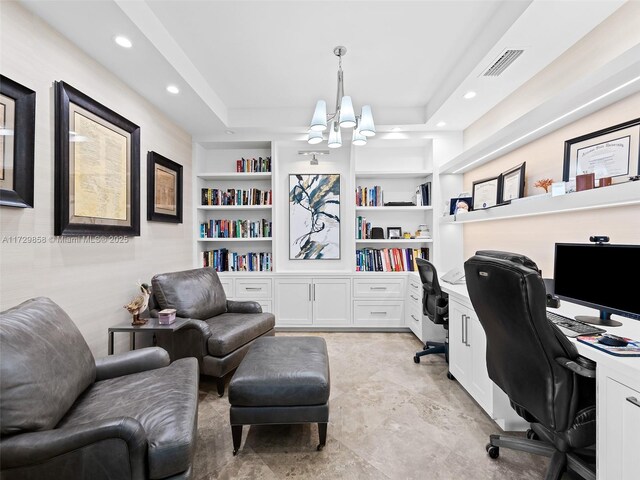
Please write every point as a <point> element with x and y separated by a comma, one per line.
<point>509,297</point>
<point>434,301</point>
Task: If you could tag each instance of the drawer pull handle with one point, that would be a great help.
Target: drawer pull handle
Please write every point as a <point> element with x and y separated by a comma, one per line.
<point>414,285</point>
<point>253,288</point>
<point>634,401</point>
<point>415,298</point>
<point>414,318</point>
<point>378,313</point>
<point>378,288</point>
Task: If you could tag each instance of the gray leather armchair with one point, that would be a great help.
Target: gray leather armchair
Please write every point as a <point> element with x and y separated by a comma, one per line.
<point>65,415</point>
<point>220,331</point>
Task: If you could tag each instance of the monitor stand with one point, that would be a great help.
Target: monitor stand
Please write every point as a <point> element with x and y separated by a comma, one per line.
<point>604,320</point>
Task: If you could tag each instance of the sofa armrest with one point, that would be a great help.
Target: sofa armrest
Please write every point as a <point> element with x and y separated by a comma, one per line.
<point>33,449</point>
<point>131,362</point>
<point>243,307</point>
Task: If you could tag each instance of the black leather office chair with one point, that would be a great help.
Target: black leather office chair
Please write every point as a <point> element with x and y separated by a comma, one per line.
<point>546,380</point>
<point>435,305</point>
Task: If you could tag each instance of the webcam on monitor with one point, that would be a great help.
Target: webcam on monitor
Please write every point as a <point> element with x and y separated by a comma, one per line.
<point>599,239</point>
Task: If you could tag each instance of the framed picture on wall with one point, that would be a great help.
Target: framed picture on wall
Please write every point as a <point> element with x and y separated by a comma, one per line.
<point>512,182</point>
<point>17,142</point>
<point>314,216</point>
<point>164,189</point>
<point>97,167</point>
<point>486,193</point>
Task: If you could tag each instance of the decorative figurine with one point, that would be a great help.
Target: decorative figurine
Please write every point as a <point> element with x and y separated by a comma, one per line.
<point>544,183</point>
<point>139,304</point>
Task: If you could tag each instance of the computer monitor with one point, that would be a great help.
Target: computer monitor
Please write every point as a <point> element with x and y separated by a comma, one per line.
<point>601,276</point>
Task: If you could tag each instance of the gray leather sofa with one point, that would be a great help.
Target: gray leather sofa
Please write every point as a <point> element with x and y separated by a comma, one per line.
<point>220,331</point>
<point>65,415</point>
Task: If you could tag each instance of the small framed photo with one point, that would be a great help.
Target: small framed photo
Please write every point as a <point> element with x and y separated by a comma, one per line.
<point>486,193</point>
<point>512,182</point>
<point>394,232</point>
<point>164,189</point>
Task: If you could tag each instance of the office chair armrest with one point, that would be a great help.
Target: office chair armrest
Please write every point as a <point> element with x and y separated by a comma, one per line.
<point>581,366</point>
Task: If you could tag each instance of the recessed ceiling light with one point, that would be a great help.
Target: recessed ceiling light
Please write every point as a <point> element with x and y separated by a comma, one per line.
<point>441,124</point>
<point>229,132</point>
<point>469,94</point>
<point>173,89</point>
<point>124,42</point>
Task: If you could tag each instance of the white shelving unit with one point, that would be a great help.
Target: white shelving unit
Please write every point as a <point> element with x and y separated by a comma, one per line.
<point>235,207</point>
<point>611,196</point>
<point>406,241</point>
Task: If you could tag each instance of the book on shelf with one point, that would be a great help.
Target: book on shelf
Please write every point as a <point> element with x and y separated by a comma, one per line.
<point>423,194</point>
<point>222,260</point>
<point>235,229</point>
<point>235,196</point>
<point>250,165</point>
<point>363,228</point>
<point>389,259</point>
<point>369,196</point>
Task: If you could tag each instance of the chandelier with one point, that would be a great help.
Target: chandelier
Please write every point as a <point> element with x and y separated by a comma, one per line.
<point>344,116</point>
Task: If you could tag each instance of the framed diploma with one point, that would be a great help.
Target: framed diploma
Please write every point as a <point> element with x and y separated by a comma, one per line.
<point>485,193</point>
<point>611,152</point>
<point>17,141</point>
<point>97,167</point>
<point>164,189</point>
<point>512,182</point>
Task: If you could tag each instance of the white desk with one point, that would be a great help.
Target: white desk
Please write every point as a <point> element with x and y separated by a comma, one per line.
<point>617,384</point>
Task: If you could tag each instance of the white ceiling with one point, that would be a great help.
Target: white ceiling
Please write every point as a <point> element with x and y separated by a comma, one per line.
<point>252,66</point>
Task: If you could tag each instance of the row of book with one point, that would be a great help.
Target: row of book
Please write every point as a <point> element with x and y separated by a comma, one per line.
<point>423,194</point>
<point>246,165</point>
<point>369,196</point>
<point>363,228</point>
<point>235,229</point>
<point>225,261</point>
<point>236,196</point>
<point>389,259</point>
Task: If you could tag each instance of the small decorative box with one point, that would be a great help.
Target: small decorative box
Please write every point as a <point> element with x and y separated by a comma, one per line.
<point>167,316</point>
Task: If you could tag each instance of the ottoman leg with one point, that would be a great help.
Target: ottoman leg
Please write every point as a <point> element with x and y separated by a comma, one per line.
<point>236,433</point>
<point>322,430</point>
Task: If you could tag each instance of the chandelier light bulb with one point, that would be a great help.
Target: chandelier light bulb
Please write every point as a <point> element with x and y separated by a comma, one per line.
<point>347,115</point>
<point>319,120</point>
<point>367,127</point>
<point>335,138</point>
<point>315,137</point>
<point>358,139</point>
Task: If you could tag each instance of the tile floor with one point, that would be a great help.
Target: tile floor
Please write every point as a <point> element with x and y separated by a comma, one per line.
<point>389,419</point>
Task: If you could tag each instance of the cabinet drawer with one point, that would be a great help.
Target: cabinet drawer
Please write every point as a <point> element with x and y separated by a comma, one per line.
<point>227,285</point>
<point>378,288</point>
<point>378,313</point>
<point>414,286</point>
<point>253,289</point>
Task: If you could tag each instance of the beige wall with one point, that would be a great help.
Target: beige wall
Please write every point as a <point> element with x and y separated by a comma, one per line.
<point>535,236</point>
<point>91,282</point>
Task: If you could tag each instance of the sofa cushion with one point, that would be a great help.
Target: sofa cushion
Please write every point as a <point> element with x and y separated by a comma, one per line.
<point>194,293</point>
<point>45,364</point>
<point>164,401</point>
<point>230,331</point>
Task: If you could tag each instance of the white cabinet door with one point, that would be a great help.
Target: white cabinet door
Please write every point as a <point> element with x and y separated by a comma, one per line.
<point>621,428</point>
<point>331,301</point>
<point>481,386</point>
<point>378,288</point>
<point>378,313</point>
<point>459,351</point>
<point>293,305</point>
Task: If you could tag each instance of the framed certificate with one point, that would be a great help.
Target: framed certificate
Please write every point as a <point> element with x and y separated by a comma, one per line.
<point>512,182</point>
<point>611,152</point>
<point>485,193</point>
<point>164,189</point>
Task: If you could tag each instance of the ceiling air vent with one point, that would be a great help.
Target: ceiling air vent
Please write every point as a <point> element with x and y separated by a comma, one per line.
<point>504,60</point>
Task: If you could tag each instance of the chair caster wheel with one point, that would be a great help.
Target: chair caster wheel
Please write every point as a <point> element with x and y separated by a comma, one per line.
<point>450,377</point>
<point>235,452</point>
<point>416,359</point>
<point>531,435</point>
<point>494,452</point>
<point>320,447</point>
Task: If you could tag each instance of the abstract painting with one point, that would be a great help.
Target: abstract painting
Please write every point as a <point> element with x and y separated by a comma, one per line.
<point>314,217</point>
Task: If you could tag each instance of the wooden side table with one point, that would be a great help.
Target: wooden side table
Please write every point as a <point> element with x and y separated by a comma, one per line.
<point>152,326</point>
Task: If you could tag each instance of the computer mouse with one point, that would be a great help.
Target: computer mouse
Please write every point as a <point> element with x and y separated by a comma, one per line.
<point>612,340</point>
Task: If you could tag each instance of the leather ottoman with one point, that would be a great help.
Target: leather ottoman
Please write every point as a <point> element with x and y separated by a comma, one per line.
<point>281,380</point>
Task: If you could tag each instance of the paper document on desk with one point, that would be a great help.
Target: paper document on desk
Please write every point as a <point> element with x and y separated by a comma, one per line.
<point>454,277</point>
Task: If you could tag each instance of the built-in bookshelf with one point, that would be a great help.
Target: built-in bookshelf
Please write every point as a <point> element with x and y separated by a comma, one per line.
<point>392,259</point>
<point>234,221</point>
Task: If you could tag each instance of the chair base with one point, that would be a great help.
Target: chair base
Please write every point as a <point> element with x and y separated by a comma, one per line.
<point>560,461</point>
<point>433,347</point>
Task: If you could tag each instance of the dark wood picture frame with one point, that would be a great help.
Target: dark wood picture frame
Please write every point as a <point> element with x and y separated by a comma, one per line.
<point>67,99</point>
<point>520,170</point>
<point>20,194</point>
<point>154,211</point>
<point>633,163</point>
<point>493,200</point>
<point>394,229</point>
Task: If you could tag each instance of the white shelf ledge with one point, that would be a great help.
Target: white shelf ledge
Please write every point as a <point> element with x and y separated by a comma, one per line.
<point>394,209</point>
<point>235,176</point>
<point>403,241</point>
<point>394,174</point>
<point>234,207</point>
<point>233,239</point>
<point>606,197</point>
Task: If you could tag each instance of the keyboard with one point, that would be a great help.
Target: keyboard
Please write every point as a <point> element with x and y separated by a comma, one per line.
<point>571,327</point>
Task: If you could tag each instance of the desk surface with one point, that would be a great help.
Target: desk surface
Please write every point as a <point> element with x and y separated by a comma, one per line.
<point>630,328</point>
